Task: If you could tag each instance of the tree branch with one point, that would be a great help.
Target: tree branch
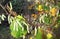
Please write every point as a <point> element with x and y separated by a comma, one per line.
<point>3,8</point>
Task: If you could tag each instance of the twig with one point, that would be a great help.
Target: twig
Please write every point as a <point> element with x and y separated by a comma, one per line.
<point>11,11</point>
<point>3,8</point>
<point>8,11</point>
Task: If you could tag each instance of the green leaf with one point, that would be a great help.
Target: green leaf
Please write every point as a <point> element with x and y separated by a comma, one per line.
<point>47,20</point>
<point>39,34</point>
<point>58,20</point>
<point>19,18</point>
<point>46,7</point>
<point>17,27</point>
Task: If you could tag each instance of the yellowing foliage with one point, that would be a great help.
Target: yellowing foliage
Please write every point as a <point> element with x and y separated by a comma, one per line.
<point>53,11</point>
<point>34,16</point>
<point>40,8</point>
<point>31,38</point>
<point>49,36</point>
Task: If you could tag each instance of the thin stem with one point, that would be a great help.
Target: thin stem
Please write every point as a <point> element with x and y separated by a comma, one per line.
<point>3,8</point>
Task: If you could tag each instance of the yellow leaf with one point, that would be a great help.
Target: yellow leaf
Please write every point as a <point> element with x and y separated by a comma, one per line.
<point>34,16</point>
<point>56,26</point>
<point>30,37</point>
<point>53,11</point>
<point>49,35</point>
<point>46,11</point>
<point>40,8</point>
